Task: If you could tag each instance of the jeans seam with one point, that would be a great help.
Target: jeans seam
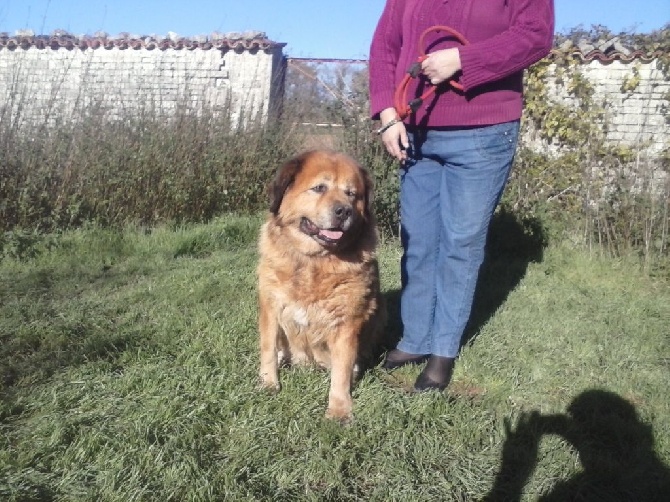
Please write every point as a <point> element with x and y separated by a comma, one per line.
<point>431,332</point>
<point>473,269</point>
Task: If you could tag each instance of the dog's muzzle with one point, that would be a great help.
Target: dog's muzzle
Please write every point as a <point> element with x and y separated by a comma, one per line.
<point>341,218</point>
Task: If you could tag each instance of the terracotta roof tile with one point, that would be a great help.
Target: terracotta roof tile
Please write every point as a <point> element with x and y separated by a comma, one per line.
<point>239,42</point>
<point>604,51</point>
<point>609,57</point>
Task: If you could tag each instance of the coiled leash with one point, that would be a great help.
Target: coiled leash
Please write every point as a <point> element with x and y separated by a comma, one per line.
<point>404,108</point>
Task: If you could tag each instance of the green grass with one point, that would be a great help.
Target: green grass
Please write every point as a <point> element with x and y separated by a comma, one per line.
<point>128,364</point>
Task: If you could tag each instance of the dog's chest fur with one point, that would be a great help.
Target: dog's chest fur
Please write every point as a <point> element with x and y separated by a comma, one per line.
<point>317,299</point>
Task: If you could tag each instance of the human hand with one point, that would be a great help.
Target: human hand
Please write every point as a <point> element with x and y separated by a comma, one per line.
<point>519,457</point>
<point>395,138</point>
<point>520,450</point>
<point>439,66</point>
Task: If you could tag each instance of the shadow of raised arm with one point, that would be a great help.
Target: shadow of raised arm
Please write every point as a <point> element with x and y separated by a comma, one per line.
<point>519,453</point>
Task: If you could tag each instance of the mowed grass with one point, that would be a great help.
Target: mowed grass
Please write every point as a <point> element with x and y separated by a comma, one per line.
<point>128,365</point>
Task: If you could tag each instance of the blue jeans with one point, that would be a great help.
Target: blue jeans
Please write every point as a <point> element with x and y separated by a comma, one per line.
<point>449,188</point>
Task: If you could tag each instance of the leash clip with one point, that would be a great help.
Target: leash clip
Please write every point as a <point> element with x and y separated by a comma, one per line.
<point>414,70</point>
<point>415,104</point>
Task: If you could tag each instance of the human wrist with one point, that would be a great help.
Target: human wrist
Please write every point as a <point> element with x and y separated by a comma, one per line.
<point>457,59</point>
<point>388,118</point>
<point>386,126</point>
<point>387,114</point>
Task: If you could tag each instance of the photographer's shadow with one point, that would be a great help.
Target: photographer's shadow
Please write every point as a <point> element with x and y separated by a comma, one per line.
<point>615,449</point>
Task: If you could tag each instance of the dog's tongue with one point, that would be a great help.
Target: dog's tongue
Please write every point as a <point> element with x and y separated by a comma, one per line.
<point>333,235</point>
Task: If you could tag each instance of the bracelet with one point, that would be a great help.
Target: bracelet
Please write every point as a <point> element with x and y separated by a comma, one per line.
<point>388,125</point>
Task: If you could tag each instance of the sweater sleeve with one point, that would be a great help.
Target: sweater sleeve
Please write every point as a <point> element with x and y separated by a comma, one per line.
<point>527,40</point>
<point>384,53</point>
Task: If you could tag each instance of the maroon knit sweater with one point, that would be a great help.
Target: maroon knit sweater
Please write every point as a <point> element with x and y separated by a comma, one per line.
<point>505,37</point>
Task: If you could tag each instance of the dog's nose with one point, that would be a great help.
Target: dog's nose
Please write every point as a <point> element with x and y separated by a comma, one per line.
<point>342,211</point>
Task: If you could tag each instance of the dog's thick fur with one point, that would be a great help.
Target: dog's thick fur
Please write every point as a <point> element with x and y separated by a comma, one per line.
<point>318,277</point>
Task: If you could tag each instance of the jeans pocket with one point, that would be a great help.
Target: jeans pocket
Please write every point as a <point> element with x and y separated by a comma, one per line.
<point>498,141</point>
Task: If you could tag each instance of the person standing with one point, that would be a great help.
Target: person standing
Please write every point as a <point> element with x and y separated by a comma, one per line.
<point>456,151</point>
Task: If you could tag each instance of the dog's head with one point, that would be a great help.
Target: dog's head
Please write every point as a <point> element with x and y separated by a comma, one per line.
<point>323,197</point>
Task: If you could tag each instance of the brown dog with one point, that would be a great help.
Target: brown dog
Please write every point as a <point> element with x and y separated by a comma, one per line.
<point>318,276</point>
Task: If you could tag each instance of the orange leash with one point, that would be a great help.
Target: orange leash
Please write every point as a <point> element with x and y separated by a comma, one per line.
<point>402,107</point>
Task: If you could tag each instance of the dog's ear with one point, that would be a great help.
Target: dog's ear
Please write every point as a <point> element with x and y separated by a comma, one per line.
<point>283,180</point>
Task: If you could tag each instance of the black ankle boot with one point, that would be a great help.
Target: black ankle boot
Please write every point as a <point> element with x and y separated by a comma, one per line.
<point>436,375</point>
<point>397,358</point>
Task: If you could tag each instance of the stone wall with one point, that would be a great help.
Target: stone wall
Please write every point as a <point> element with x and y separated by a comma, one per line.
<point>634,93</point>
<point>635,96</point>
<point>57,78</point>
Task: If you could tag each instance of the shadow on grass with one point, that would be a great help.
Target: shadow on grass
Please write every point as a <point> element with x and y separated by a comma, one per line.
<point>34,360</point>
<point>615,449</point>
<point>57,329</point>
<point>512,244</point>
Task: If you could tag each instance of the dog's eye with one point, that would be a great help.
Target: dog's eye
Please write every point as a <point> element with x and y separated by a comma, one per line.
<point>350,193</point>
<point>320,188</point>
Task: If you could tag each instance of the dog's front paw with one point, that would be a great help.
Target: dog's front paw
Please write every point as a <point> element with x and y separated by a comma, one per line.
<point>270,385</point>
<point>343,418</point>
<point>341,411</point>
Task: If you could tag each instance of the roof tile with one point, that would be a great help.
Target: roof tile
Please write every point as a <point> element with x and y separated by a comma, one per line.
<point>240,42</point>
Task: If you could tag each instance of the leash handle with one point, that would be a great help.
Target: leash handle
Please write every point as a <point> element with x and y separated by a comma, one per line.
<point>404,108</point>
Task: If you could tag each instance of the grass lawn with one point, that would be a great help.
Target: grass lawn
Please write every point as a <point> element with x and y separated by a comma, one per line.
<point>128,365</point>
